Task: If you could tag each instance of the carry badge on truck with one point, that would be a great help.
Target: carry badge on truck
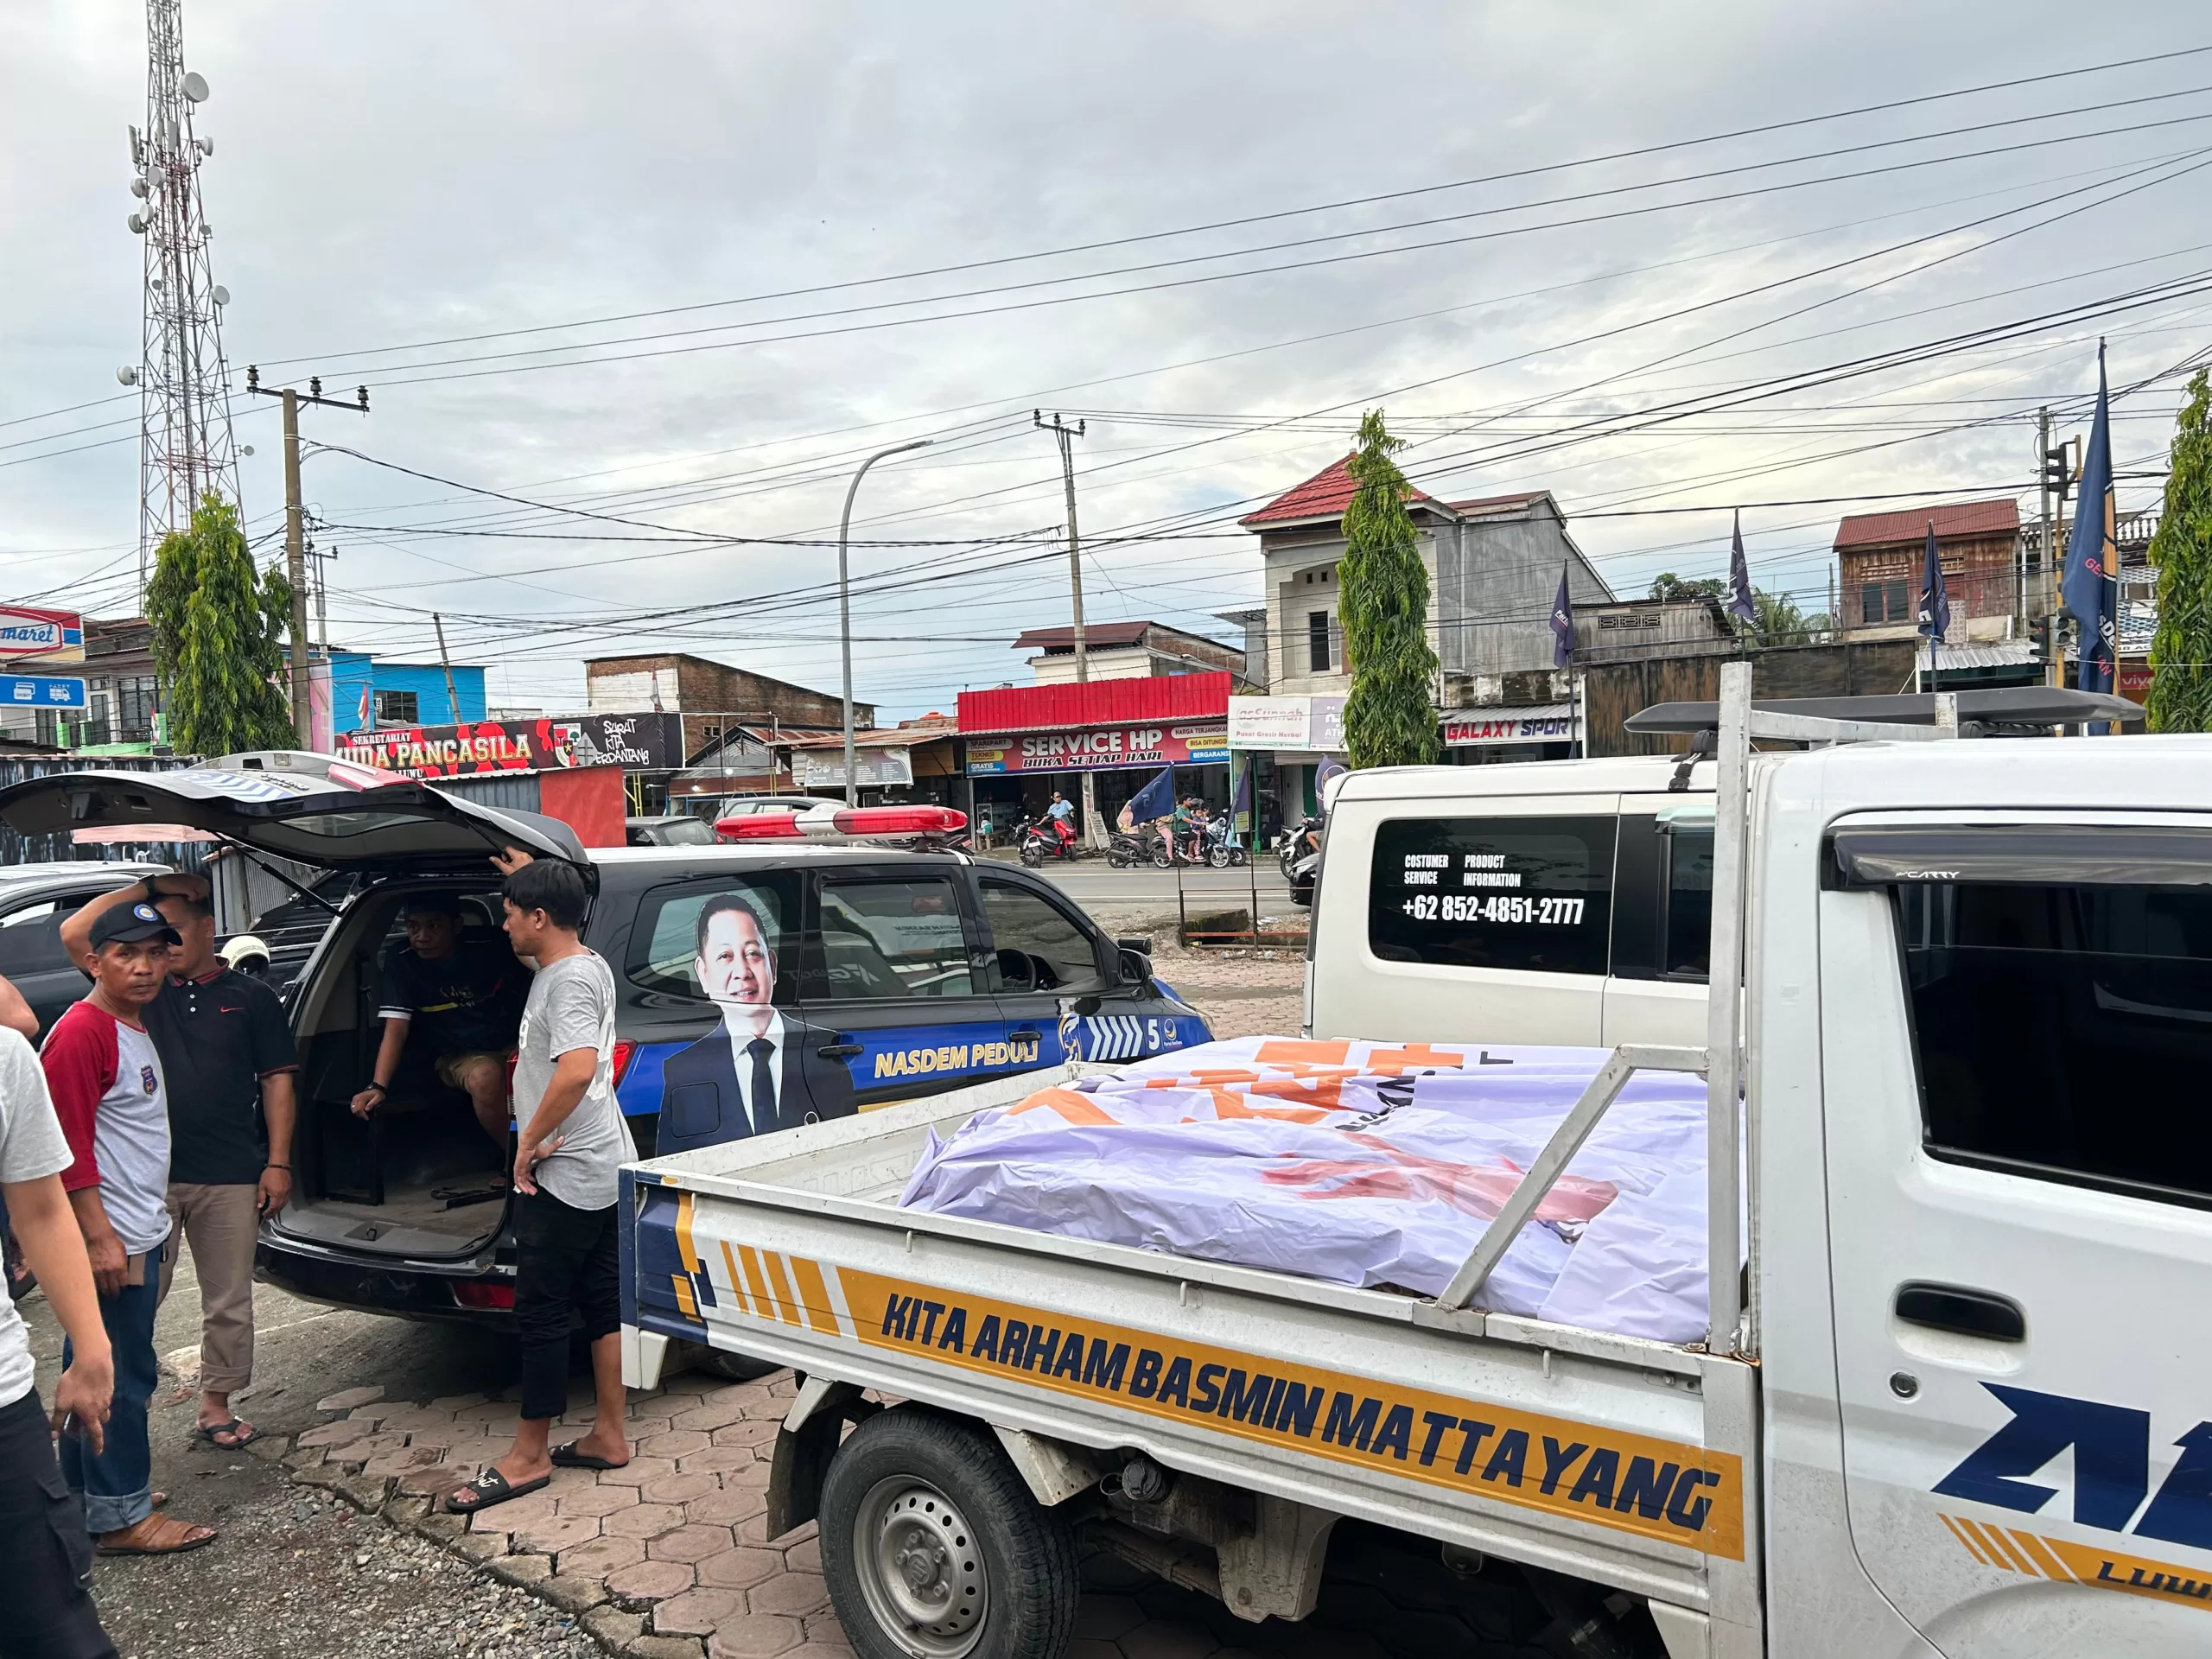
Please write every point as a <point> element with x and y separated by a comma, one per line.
<point>2112,1476</point>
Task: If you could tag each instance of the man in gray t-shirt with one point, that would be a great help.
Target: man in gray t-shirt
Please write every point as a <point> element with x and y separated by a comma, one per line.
<point>571,1140</point>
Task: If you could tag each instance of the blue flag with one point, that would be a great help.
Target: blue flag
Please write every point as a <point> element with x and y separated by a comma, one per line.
<point>1155,801</point>
<point>2091,585</point>
<point>1739,579</point>
<point>1562,626</point>
<point>1240,796</point>
<point>1935,602</point>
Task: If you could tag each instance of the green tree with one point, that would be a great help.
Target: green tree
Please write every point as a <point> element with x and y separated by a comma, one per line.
<point>219,630</point>
<point>1390,714</point>
<point>2181,650</point>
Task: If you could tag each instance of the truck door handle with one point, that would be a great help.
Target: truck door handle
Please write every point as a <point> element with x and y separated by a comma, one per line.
<point>838,1050</point>
<point>1027,1034</point>
<point>1968,1312</point>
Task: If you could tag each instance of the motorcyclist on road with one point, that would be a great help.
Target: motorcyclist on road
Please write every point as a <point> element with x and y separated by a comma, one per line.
<point>1061,813</point>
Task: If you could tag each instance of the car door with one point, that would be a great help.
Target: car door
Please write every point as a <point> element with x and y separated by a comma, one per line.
<point>1662,922</point>
<point>895,997</point>
<point>31,957</point>
<point>2016,1031</point>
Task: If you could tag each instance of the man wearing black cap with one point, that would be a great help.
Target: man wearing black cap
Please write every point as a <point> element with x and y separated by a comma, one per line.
<point>105,1076</point>
<point>465,995</point>
<point>227,1068</point>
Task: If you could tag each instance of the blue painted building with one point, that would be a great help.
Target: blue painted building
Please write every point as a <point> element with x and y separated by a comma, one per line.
<point>400,693</point>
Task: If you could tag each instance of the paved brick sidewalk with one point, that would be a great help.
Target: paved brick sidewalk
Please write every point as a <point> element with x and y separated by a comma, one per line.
<point>669,1558</point>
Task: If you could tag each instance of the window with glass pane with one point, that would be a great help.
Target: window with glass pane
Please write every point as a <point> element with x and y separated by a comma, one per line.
<point>1533,893</point>
<point>743,929</point>
<point>30,940</point>
<point>893,939</point>
<point>396,708</point>
<point>1689,945</point>
<point>1039,947</point>
<point>2064,1030</point>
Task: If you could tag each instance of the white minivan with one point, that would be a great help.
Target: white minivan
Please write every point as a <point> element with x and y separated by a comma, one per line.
<point>1554,902</point>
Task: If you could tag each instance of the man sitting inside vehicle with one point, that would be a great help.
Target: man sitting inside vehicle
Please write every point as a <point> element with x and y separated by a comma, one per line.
<point>466,993</point>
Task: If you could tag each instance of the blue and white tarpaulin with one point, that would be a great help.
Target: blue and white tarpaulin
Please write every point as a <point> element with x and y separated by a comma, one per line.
<point>1363,1163</point>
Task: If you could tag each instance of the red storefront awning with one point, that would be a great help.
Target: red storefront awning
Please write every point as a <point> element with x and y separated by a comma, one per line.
<point>1097,704</point>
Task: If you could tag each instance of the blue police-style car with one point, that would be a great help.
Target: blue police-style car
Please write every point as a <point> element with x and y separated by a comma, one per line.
<point>877,973</point>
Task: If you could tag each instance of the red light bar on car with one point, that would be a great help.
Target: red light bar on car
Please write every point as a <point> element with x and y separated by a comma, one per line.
<point>842,823</point>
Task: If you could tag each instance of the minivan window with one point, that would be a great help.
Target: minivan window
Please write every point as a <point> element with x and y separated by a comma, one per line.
<point>1686,937</point>
<point>666,946</point>
<point>1527,893</point>
<point>2064,1031</point>
<point>893,939</point>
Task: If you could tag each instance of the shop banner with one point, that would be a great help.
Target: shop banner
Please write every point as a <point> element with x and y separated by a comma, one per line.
<point>1553,723</point>
<point>1316,723</point>
<point>635,742</point>
<point>26,631</point>
<point>1204,743</point>
<point>825,768</point>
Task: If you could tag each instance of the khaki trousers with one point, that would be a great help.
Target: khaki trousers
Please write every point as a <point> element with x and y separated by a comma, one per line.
<point>220,1224</point>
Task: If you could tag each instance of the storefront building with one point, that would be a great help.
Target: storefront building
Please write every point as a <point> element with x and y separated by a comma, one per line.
<point>1286,738</point>
<point>1022,743</point>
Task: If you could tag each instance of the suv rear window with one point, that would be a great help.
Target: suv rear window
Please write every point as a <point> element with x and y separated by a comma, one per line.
<point>1529,893</point>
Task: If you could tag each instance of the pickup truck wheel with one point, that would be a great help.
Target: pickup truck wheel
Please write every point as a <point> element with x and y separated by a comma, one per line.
<point>934,1548</point>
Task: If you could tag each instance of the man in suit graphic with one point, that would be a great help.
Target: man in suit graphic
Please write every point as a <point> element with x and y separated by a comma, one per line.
<point>756,1073</point>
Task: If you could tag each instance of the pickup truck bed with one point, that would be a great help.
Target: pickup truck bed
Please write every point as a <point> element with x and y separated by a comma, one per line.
<point>1611,1459</point>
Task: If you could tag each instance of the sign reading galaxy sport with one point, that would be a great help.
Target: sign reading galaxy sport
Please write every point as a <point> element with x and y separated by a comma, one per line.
<point>758,1069</point>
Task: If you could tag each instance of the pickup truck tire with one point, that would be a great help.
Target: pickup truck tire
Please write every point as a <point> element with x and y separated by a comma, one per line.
<point>922,1514</point>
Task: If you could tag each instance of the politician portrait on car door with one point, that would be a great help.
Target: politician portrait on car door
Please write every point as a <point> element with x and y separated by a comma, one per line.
<point>757,1070</point>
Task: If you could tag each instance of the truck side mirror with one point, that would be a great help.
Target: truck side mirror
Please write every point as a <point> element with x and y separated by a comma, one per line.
<point>1136,966</point>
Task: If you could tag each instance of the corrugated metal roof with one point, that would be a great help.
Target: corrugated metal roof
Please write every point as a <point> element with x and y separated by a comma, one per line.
<point>1498,503</point>
<point>1102,635</point>
<point>2000,517</point>
<point>1097,703</point>
<point>2001,653</point>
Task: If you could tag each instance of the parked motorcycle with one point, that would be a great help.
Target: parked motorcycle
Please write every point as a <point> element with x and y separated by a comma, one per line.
<point>1125,850</point>
<point>1223,850</point>
<point>1303,869</point>
<point>1291,844</point>
<point>1040,839</point>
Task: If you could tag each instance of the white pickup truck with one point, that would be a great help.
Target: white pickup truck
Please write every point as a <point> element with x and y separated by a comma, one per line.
<point>1953,1407</point>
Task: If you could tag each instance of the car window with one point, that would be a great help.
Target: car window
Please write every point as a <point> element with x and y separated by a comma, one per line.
<point>2064,1031</point>
<point>1686,937</point>
<point>1039,947</point>
<point>742,929</point>
<point>893,939</point>
<point>1527,893</point>
<point>30,939</point>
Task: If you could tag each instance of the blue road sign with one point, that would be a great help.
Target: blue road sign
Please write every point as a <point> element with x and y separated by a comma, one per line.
<point>38,691</point>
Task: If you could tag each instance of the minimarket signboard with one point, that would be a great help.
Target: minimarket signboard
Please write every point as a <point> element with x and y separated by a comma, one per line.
<point>1100,749</point>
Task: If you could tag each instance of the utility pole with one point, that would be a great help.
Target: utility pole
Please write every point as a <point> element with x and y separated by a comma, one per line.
<point>296,531</point>
<point>1065,436</point>
<point>453,697</point>
<point>2051,669</point>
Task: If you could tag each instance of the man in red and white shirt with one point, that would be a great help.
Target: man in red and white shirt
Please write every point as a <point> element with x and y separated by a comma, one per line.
<point>105,1077</point>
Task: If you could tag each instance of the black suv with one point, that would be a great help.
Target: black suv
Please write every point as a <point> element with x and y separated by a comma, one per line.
<point>895,974</point>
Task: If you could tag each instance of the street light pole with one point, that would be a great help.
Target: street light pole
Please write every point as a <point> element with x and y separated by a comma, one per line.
<point>844,603</point>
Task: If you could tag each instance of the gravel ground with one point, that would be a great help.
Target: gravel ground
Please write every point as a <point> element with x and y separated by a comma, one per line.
<point>296,1572</point>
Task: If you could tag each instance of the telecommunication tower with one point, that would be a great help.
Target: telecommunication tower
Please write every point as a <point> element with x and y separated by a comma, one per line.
<point>185,447</point>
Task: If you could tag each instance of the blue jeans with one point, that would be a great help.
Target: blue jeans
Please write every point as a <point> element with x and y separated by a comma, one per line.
<point>117,1485</point>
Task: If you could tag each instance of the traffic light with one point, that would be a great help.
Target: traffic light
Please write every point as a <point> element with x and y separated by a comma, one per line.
<point>2057,472</point>
<point>2039,632</point>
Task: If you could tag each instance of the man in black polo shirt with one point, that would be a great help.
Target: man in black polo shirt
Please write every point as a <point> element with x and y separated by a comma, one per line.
<point>457,996</point>
<point>228,1063</point>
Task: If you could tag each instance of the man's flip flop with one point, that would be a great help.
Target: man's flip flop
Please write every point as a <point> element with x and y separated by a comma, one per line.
<point>491,1487</point>
<point>566,1457</point>
<point>161,1536</point>
<point>243,1434</point>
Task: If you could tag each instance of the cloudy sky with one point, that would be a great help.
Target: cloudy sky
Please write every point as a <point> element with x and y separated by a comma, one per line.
<point>683,265</point>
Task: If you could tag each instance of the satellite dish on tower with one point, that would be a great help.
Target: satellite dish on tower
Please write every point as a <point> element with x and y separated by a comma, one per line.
<point>220,294</point>
<point>127,376</point>
<point>195,86</point>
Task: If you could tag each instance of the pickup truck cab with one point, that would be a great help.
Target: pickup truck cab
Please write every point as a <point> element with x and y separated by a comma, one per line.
<point>896,974</point>
<point>1953,1407</point>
